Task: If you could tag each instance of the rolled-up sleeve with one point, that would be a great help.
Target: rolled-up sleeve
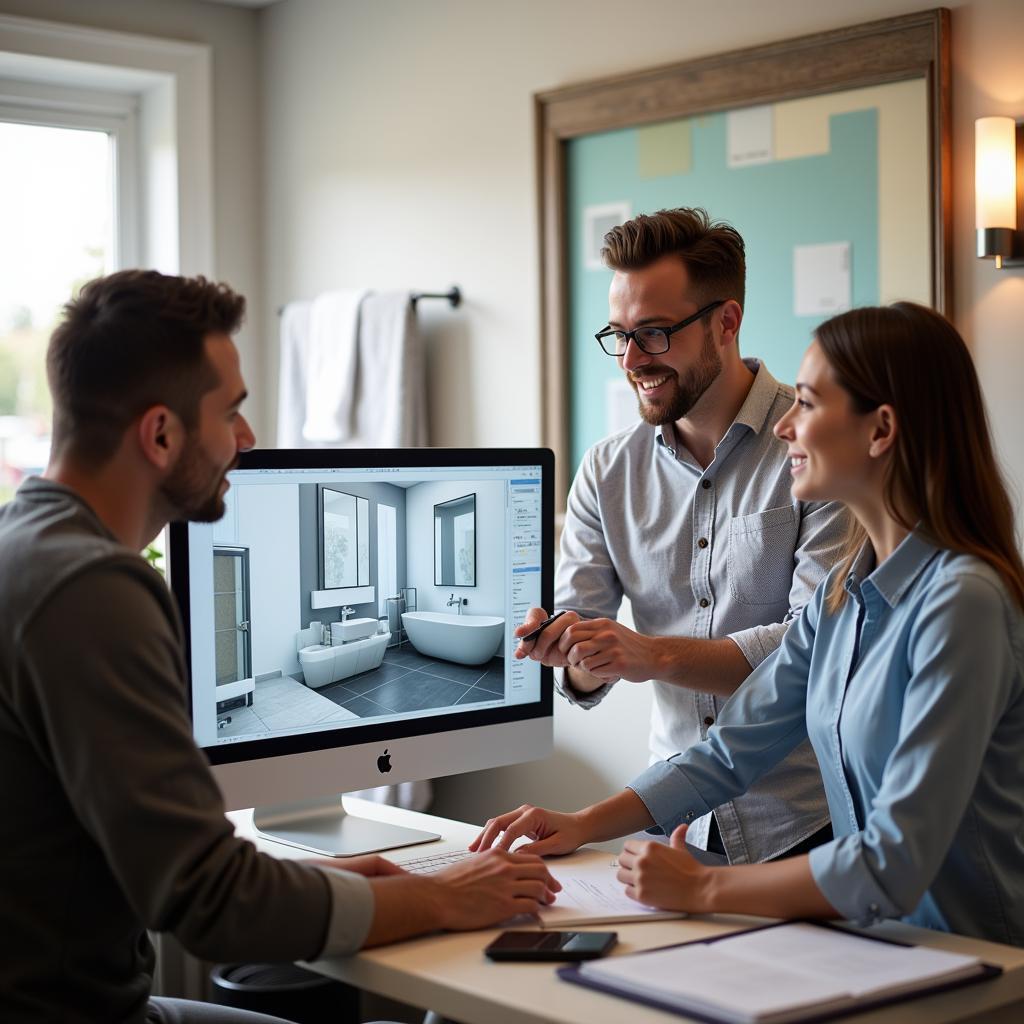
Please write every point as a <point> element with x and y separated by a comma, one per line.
<point>822,529</point>
<point>961,677</point>
<point>763,721</point>
<point>587,582</point>
<point>582,700</point>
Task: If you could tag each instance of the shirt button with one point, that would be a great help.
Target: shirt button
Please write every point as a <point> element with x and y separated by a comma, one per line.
<point>873,909</point>
<point>705,484</point>
<point>704,602</point>
<point>709,720</point>
<point>703,542</point>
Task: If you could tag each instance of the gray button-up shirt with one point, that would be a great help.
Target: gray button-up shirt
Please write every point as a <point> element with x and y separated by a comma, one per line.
<point>640,511</point>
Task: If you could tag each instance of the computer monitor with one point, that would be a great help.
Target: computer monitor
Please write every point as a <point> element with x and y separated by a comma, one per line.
<point>349,623</point>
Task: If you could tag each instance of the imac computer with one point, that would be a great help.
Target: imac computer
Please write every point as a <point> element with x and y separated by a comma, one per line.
<point>349,623</point>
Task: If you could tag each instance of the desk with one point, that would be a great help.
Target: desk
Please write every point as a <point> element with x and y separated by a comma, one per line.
<point>448,972</point>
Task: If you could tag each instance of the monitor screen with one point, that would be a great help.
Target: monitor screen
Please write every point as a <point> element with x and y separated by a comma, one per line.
<point>365,602</point>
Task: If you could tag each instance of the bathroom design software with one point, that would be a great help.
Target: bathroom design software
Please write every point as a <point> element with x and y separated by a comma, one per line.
<point>350,598</point>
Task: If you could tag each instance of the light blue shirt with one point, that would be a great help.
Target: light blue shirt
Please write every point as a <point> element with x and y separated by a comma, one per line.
<point>706,552</point>
<point>912,695</point>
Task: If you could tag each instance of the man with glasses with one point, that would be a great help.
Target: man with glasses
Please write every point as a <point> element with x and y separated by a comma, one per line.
<point>689,515</point>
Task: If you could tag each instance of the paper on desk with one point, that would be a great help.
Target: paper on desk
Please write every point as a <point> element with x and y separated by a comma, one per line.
<point>591,894</point>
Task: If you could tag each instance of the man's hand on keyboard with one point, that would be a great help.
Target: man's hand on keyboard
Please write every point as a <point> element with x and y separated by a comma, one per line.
<point>495,885</point>
<point>370,866</point>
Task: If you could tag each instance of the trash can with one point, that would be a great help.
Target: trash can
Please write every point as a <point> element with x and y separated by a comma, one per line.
<point>286,991</point>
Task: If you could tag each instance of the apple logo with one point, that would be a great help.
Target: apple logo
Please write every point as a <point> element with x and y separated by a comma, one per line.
<point>384,762</point>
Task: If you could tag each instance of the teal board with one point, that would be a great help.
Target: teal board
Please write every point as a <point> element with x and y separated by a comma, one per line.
<point>775,206</point>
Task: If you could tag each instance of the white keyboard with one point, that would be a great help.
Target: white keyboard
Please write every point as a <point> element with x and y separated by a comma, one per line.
<point>435,862</point>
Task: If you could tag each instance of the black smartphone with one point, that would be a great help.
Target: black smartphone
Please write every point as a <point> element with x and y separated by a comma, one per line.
<point>550,945</point>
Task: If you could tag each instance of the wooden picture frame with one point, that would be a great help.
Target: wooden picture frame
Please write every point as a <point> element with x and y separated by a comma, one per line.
<point>891,50</point>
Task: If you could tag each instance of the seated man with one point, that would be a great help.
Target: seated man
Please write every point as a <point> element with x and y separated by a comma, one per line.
<point>112,822</point>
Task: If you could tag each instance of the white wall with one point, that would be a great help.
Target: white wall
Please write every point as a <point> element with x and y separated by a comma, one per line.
<point>265,519</point>
<point>232,34</point>
<point>391,144</point>
<point>399,150</point>
<point>988,78</point>
<point>489,596</point>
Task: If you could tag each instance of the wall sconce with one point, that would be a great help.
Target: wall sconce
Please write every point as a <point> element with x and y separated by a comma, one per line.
<point>998,200</point>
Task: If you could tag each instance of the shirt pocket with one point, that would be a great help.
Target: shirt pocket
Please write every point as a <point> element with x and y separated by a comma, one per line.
<point>761,550</point>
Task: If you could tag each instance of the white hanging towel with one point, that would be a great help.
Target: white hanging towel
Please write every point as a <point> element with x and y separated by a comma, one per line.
<point>331,367</point>
<point>291,396</point>
<point>390,400</point>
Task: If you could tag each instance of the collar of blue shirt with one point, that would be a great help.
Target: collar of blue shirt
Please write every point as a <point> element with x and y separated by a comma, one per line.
<point>896,575</point>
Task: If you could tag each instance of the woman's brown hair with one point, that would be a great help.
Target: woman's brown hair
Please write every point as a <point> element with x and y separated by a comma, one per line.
<point>943,476</point>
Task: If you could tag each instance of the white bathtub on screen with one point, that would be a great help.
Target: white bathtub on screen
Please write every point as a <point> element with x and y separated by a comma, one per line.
<point>322,665</point>
<point>466,639</point>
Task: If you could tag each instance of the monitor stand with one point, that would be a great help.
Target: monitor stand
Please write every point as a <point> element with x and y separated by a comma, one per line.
<point>323,826</point>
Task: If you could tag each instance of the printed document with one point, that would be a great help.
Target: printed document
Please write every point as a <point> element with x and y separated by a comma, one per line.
<point>591,894</point>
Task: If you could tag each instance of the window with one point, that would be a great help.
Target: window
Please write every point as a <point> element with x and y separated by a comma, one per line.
<point>57,205</point>
<point>74,201</point>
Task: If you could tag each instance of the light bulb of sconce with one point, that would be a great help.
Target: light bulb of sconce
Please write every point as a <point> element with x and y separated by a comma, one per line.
<point>995,173</point>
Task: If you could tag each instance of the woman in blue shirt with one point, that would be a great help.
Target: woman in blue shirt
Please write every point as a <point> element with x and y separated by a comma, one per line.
<point>906,669</point>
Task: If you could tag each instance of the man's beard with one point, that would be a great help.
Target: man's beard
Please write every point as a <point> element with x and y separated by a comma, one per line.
<point>688,391</point>
<point>193,487</point>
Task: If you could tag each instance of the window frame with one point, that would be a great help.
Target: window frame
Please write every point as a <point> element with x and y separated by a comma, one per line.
<point>116,115</point>
<point>171,83</point>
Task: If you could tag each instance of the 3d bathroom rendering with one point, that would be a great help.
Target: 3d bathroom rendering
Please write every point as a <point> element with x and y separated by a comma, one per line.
<point>336,602</point>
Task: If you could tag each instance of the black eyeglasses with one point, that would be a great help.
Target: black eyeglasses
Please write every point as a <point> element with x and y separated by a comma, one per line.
<point>652,340</point>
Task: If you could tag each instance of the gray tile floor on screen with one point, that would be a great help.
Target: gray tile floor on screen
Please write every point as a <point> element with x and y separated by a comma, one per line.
<point>405,681</point>
<point>410,681</point>
<point>281,703</point>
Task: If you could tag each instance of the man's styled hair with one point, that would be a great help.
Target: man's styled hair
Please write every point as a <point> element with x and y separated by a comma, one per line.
<point>130,341</point>
<point>712,251</point>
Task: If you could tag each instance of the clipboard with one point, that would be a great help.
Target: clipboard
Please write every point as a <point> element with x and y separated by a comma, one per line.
<point>808,1015</point>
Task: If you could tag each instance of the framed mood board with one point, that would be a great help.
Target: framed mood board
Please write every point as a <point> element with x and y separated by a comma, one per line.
<point>829,153</point>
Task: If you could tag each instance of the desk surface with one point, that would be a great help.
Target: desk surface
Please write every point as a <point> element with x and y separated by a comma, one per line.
<point>448,972</point>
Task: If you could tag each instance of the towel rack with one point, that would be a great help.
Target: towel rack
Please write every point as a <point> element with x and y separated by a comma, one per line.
<point>453,295</point>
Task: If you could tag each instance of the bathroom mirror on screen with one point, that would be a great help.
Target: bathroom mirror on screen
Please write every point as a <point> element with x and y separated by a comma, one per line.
<point>455,542</point>
<point>344,539</point>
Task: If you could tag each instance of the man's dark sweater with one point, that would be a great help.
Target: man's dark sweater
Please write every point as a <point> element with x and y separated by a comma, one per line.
<point>111,821</point>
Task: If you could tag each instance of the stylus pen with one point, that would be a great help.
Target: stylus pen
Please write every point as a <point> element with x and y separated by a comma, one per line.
<point>534,633</point>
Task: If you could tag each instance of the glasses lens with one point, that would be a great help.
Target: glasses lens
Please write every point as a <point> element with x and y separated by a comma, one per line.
<point>652,339</point>
<point>614,343</point>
